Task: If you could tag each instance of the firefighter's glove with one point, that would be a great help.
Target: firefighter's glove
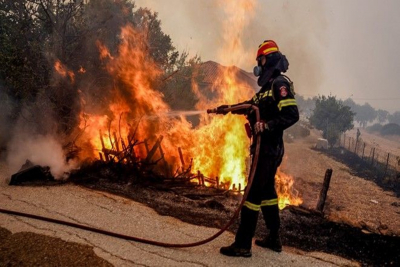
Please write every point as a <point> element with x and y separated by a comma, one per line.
<point>222,110</point>
<point>260,127</point>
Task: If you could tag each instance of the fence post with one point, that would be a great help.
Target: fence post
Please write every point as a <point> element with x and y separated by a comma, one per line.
<point>344,140</point>
<point>324,190</point>
<point>373,154</point>
<point>387,163</point>
<point>362,157</point>
<point>358,138</point>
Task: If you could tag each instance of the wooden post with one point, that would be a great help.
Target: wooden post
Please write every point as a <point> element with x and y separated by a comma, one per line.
<point>355,147</point>
<point>166,166</point>
<point>387,164</point>
<point>123,145</point>
<point>181,157</point>
<point>116,142</point>
<point>373,154</point>
<point>153,150</point>
<point>103,147</point>
<point>101,139</point>
<point>131,147</point>
<point>217,180</point>
<point>362,157</point>
<point>324,190</point>
<point>146,145</point>
<point>199,177</point>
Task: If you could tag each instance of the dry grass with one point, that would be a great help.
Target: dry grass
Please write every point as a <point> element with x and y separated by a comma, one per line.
<point>351,199</point>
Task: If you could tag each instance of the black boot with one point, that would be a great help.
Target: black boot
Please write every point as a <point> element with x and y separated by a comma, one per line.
<point>272,241</point>
<point>234,251</point>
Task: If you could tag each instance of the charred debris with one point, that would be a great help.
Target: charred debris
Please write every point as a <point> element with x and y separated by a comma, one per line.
<point>196,199</point>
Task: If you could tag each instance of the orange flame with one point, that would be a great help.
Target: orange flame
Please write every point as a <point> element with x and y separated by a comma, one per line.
<point>82,70</point>
<point>104,52</point>
<point>218,146</point>
<point>133,101</point>
<point>223,145</point>
<point>287,195</point>
<point>63,71</point>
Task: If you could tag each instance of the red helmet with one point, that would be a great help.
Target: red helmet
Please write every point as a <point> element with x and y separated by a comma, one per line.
<point>266,48</point>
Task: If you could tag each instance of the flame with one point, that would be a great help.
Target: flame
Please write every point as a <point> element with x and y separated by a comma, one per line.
<point>218,146</point>
<point>104,52</point>
<point>287,195</point>
<point>223,145</point>
<point>124,119</point>
<point>82,70</point>
<point>63,70</point>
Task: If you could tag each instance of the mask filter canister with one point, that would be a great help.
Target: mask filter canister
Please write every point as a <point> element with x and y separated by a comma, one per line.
<point>257,71</point>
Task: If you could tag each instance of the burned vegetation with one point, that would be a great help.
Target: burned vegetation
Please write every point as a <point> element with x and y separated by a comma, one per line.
<point>191,201</point>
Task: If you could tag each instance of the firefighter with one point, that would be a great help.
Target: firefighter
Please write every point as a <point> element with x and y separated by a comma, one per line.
<point>278,111</point>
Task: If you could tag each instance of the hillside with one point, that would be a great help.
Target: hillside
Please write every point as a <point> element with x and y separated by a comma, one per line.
<point>351,199</point>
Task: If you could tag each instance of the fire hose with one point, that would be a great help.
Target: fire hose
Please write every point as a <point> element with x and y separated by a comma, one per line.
<point>157,243</point>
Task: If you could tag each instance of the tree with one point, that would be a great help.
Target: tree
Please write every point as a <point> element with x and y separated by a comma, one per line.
<point>34,34</point>
<point>331,117</point>
<point>382,115</point>
<point>363,114</point>
<point>394,118</point>
<point>159,44</point>
<point>23,66</point>
<point>177,87</point>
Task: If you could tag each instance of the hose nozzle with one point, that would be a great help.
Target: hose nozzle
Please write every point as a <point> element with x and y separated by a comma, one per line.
<point>213,110</point>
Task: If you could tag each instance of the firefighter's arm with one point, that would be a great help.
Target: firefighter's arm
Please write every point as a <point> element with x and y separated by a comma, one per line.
<point>288,111</point>
<point>223,109</point>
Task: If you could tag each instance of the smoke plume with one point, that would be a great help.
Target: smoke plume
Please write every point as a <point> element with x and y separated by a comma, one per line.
<point>298,27</point>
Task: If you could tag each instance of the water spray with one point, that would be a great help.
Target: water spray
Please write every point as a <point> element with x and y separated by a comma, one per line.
<point>174,113</point>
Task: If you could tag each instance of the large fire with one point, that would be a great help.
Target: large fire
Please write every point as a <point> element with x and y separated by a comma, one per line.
<point>217,147</point>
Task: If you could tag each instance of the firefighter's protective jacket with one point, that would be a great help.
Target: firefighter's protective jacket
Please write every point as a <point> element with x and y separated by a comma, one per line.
<point>278,108</point>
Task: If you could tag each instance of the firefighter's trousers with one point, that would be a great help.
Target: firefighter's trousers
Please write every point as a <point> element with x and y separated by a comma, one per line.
<point>262,196</point>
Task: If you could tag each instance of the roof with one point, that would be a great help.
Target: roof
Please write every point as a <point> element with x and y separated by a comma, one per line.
<point>213,73</point>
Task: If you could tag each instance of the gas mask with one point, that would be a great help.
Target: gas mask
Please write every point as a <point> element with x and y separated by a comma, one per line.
<point>257,71</point>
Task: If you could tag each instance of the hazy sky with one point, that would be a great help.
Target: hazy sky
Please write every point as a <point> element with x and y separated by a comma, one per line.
<point>347,48</point>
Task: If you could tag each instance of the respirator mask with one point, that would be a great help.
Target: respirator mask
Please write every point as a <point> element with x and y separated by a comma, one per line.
<point>257,71</point>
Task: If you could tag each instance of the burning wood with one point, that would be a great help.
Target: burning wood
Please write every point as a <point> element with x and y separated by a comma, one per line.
<point>128,126</point>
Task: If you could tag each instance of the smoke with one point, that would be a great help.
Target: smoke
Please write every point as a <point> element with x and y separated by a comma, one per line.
<point>30,131</point>
<point>299,28</point>
<point>204,29</point>
<point>44,150</point>
<point>33,137</point>
<point>40,128</point>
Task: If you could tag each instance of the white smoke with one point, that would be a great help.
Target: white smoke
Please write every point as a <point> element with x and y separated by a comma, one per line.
<point>43,150</point>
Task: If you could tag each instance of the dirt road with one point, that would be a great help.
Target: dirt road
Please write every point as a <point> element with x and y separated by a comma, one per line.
<point>106,211</point>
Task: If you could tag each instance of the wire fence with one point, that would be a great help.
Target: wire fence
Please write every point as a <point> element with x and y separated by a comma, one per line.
<point>386,164</point>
